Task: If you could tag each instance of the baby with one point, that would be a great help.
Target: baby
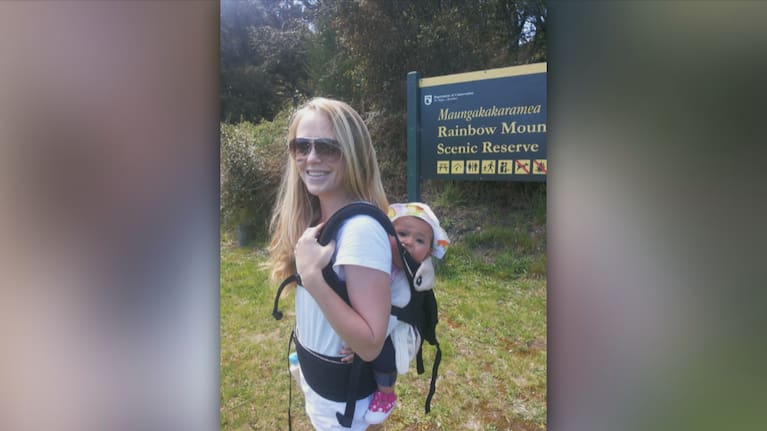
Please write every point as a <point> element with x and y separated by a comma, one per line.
<point>419,232</point>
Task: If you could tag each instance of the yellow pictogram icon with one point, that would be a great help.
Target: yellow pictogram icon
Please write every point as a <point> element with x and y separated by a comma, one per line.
<point>472,166</point>
<point>522,167</point>
<point>540,167</point>
<point>456,167</point>
<point>505,167</point>
<point>443,167</point>
<point>488,166</point>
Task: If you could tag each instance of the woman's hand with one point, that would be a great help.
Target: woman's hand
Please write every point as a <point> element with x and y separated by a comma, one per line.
<point>348,354</point>
<point>310,256</point>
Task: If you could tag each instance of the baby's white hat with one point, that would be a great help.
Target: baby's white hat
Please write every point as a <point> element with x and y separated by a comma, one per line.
<point>422,211</point>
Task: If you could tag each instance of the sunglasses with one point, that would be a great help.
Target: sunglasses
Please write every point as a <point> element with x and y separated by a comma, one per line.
<point>326,148</point>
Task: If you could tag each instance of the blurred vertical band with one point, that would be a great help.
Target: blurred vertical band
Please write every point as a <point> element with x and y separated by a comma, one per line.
<point>656,201</point>
<point>109,191</point>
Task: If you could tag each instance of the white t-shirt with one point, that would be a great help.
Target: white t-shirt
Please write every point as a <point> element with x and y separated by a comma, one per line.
<point>360,241</point>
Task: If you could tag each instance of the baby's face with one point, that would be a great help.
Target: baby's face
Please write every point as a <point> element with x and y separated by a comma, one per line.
<point>415,235</point>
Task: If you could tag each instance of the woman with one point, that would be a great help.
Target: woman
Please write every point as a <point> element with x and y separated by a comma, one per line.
<point>332,163</point>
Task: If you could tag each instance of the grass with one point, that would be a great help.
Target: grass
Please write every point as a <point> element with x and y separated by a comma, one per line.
<point>491,289</point>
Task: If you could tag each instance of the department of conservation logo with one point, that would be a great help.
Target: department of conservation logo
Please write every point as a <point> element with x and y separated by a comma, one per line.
<point>427,99</point>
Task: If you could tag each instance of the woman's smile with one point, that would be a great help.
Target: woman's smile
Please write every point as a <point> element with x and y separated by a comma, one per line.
<point>315,173</point>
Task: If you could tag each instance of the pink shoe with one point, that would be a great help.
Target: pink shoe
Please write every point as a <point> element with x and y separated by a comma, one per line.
<point>380,408</point>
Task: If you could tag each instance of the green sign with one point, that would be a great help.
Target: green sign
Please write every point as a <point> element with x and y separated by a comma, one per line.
<point>484,126</point>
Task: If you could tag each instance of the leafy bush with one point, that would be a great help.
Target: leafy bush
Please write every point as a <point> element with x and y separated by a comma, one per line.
<point>252,157</point>
<point>387,130</point>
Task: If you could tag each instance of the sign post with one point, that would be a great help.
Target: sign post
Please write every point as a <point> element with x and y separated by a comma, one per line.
<point>483,126</point>
<point>413,121</point>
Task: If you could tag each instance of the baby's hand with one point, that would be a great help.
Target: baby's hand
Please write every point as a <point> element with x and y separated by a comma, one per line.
<point>348,354</point>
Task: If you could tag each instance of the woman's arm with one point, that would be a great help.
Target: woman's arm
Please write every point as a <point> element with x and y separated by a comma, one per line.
<point>363,325</point>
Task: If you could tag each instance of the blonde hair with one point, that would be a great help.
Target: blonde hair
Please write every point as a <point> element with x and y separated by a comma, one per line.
<point>295,209</point>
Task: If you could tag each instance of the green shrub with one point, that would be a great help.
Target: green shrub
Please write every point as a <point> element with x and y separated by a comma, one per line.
<point>251,161</point>
<point>450,193</point>
<point>387,131</point>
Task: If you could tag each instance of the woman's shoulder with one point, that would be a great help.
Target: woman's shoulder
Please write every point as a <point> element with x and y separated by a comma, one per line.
<point>361,223</point>
<point>364,237</point>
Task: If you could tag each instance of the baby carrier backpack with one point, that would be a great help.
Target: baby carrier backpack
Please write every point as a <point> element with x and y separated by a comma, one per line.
<point>322,374</point>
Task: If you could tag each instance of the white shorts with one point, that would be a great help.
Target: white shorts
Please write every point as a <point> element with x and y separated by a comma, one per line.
<point>322,412</point>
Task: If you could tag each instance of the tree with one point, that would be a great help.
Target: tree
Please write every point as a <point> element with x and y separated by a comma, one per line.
<point>263,58</point>
<point>385,39</point>
<point>274,54</point>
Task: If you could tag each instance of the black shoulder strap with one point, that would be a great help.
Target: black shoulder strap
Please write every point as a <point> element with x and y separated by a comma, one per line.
<point>276,313</point>
<point>335,221</point>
